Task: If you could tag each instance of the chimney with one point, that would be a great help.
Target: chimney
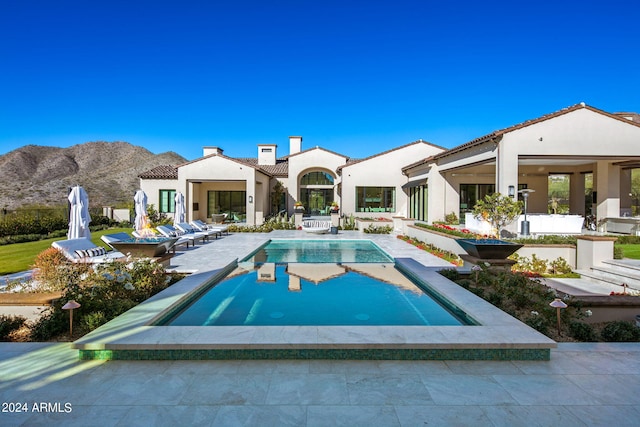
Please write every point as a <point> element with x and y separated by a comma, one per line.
<point>295,144</point>
<point>267,154</point>
<point>207,151</point>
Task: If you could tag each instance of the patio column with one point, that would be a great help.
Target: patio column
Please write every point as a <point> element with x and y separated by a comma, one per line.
<point>576,194</point>
<point>437,184</point>
<point>506,169</point>
<point>608,188</point>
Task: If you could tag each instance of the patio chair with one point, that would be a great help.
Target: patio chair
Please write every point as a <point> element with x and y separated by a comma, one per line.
<point>189,229</point>
<point>171,231</point>
<point>83,250</point>
<point>202,226</point>
<point>317,227</point>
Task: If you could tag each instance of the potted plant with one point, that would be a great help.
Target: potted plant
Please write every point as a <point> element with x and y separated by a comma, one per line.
<point>334,207</point>
<point>499,211</point>
<point>298,207</point>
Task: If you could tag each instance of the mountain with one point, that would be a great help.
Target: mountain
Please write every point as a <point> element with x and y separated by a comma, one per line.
<point>108,171</point>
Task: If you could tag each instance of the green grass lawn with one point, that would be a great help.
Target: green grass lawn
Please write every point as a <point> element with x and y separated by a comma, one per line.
<point>631,251</point>
<point>20,256</point>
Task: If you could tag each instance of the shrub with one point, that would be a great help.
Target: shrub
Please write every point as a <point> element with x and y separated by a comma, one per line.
<point>620,331</point>
<point>52,269</point>
<point>582,331</point>
<point>9,324</point>
<point>618,252</point>
<point>25,224</point>
<point>94,320</point>
<point>384,229</point>
<point>548,239</point>
<point>539,323</point>
<point>451,218</point>
<point>450,273</point>
<point>443,228</point>
<point>560,266</point>
<point>538,265</point>
<point>104,292</point>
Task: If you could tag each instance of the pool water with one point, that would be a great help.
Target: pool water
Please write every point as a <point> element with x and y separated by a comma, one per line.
<point>319,251</point>
<point>291,294</point>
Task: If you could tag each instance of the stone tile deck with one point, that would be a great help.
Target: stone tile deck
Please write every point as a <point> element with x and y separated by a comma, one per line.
<point>593,384</point>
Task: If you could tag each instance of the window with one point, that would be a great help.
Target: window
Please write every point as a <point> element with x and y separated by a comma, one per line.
<point>317,178</point>
<point>167,201</point>
<point>418,202</point>
<point>375,199</point>
<point>470,194</point>
<point>558,190</point>
<point>265,150</point>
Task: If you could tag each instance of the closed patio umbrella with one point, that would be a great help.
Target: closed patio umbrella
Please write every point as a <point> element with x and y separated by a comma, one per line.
<point>140,204</point>
<point>79,217</point>
<point>180,208</point>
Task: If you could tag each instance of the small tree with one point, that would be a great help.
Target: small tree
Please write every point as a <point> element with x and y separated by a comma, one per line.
<point>498,210</point>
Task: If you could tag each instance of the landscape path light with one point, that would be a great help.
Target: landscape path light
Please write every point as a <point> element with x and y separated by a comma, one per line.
<point>477,269</point>
<point>70,305</point>
<point>558,304</point>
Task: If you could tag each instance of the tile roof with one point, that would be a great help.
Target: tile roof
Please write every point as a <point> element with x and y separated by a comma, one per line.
<point>281,168</point>
<point>161,172</point>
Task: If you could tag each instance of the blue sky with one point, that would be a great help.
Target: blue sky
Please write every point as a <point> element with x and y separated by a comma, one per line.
<point>355,77</point>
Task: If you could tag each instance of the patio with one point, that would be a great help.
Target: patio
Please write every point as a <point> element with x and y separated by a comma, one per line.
<point>583,384</point>
<point>593,384</point>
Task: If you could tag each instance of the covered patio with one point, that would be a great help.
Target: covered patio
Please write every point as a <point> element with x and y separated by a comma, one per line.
<point>591,150</point>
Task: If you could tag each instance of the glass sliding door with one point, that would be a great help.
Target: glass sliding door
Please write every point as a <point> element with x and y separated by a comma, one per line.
<point>233,203</point>
<point>316,200</point>
<point>418,202</point>
<point>470,194</point>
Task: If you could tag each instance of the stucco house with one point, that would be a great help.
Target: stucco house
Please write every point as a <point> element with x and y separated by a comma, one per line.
<point>585,144</point>
<point>243,188</point>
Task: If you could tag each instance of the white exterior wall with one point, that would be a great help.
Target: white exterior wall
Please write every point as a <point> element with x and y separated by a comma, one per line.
<point>580,133</point>
<point>384,170</point>
<point>227,174</point>
<point>312,160</point>
<point>152,188</point>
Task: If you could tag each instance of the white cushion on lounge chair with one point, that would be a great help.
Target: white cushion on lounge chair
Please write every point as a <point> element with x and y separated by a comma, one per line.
<point>201,226</point>
<point>318,227</point>
<point>180,241</point>
<point>170,231</point>
<point>73,248</point>
<point>188,229</point>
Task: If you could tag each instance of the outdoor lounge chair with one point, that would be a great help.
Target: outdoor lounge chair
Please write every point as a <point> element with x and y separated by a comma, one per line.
<point>171,231</point>
<point>202,226</point>
<point>317,227</point>
<point>83,250</point>
<point>189,229</point>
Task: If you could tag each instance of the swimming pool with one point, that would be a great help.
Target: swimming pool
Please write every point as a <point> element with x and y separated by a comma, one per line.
<point>142,332</point>
<point>277,285</point>
<point>319,251</point>
<point>315,294</point>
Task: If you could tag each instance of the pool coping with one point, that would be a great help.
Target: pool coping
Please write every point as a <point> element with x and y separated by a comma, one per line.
<point>498,336</point>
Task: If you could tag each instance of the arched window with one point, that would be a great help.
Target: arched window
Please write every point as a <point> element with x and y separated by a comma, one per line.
<point>317,178</point>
